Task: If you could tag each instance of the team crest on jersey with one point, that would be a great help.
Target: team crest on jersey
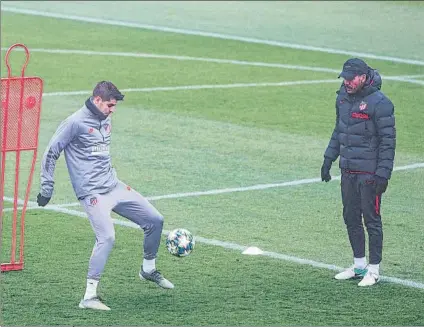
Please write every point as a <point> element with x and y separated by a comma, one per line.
<point>107,127</point>
<point>362,106</point>
<point>93,201</point>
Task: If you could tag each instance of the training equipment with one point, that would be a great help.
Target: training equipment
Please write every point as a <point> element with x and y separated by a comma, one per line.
<point>19,126</point>
<point>180,242</point>
<point>156,277</point>
<point>253,250</point>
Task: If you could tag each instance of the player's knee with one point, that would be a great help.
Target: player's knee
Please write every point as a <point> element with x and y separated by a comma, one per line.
<point>353,223</point>
<point>152,222</point>
<point>374,228</point>
<point>352,219</point>
<point>158,220</point>
<point>108,239</point>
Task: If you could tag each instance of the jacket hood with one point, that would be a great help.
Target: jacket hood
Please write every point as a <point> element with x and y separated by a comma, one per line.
<point>373,79</point>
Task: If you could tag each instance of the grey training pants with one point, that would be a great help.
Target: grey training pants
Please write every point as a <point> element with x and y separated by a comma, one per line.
<point>360,200</point>
<point>129,204</point>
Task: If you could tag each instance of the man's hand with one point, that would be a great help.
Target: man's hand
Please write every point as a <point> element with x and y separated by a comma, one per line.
<point>380,184</point>
<point>42,201</point>
<point>325,170</point>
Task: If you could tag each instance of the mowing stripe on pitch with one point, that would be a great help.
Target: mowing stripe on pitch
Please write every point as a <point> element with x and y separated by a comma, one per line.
<point>249,188</point>
<point>407,78</point>
<point>210,34</point>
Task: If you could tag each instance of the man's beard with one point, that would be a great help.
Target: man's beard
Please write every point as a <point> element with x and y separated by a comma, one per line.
<point>352,90</point>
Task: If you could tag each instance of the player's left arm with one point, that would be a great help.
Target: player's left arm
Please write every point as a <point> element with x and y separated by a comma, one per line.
<point>384,118</point>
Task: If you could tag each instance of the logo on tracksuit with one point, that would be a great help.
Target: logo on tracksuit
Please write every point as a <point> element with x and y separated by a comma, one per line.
<point>100,150</point>
<point>107,127</point>
<point>93,201</point>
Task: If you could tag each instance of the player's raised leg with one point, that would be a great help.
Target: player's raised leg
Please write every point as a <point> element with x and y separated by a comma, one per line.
<point>135,207</point>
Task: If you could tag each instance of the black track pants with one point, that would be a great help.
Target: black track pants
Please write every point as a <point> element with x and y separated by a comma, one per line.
<point>360,200</point>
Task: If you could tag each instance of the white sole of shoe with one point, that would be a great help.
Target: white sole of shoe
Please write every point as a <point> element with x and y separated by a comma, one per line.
<point>101,307</point>
<point>367,285</point>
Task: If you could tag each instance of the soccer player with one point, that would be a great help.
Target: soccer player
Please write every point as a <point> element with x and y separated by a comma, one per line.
<point>84,137</point>
<point>365,139</point>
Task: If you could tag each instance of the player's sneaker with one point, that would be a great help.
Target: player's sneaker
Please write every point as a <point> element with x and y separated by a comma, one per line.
<point>156,276</point>
<point>351,272</point>
<point>369,279</point>
<point>93,303</point>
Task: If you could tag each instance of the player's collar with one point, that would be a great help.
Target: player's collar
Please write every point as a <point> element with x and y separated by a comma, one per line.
<point>95,111</point>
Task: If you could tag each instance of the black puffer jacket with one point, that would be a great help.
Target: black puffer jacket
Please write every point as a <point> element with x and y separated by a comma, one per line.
<point>365,134</point>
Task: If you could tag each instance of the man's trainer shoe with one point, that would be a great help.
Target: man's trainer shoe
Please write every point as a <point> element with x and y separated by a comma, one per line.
<point>351,272</point>
<point>369,279</point>
<point>156,276</point>
<point>93,303</point>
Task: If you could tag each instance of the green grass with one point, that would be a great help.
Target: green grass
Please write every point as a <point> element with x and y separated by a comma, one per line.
<point>291,109</point>
<point>75,77</point>
<point>257,291</point>
<point>168,142</point>
<point>28,28</point>
<point>351,25</point>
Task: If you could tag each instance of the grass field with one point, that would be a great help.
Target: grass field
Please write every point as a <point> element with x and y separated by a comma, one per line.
<point>209,114</point>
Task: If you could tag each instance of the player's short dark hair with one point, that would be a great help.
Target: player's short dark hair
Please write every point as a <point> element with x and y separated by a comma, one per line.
<point>107,91</point>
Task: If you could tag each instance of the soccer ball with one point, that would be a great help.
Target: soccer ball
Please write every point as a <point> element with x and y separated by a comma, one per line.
<point>180,242</point>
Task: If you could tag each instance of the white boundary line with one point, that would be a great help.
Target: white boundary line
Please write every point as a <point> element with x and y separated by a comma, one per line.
<point>413,76</point>
<point>406,78</point>
<point>201,87</point>
<point>11,209</point>
<point>210,34</point>
<point>180,58</point>
<point>237,247</point>
<point>223,86</point>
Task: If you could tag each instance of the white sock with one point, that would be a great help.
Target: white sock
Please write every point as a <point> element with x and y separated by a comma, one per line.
<point>360,263</point>
<point>149,265</point>
<point>91,290</point>
<point>375,269</point>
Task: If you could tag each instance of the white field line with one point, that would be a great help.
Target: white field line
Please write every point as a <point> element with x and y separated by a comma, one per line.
<point>234,246</point>
<point>406,78</point>
<point>223,86</point>
<point>181,58</point>
<point>211,34</point>
<point>201,87</point>
<point>413,76</point>
<point>403,79</point>
<point>248,188</point>
<point>11,209</point>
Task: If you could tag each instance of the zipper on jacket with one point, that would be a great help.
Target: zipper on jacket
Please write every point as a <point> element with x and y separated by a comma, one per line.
<point>100,130</point>
<point>351,103</point>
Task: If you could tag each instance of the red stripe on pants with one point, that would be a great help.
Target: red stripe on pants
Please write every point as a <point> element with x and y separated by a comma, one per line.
<point>377,205</point>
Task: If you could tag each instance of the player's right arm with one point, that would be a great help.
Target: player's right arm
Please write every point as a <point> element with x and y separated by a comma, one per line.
<point>333,149</point>
<point>64,134</point>
<point>332,152</point>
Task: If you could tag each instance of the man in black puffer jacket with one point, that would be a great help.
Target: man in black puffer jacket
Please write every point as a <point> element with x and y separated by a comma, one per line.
<point>365,139</point>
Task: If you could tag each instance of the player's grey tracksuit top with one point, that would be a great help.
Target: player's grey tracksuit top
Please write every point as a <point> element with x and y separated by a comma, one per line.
<point>85,139</point>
